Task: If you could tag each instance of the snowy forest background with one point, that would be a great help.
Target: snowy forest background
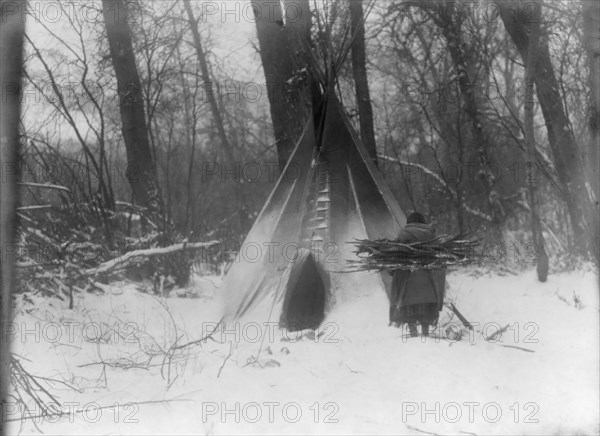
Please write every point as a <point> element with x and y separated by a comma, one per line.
<point>449,96</point>
<point>162,194</point>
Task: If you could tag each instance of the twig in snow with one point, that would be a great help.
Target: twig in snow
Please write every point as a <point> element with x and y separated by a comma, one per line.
<point>518,348</point>
<point>497,333</point>
<point>460,316</point>
<point>27,388</point>
<point>226,359</point>
<point>421,431</point>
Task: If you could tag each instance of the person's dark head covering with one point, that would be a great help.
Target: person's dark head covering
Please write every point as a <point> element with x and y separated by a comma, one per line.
<point>415,217</point>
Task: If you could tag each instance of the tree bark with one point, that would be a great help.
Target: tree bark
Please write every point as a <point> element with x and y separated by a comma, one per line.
<point>283,44</point>
<point>567,158</point>
<point>141,168</point>
<point>536,232</point>
<point>12,30</point>
<point>361,81</point>
<point>210,91</point>
<point>591,33</point>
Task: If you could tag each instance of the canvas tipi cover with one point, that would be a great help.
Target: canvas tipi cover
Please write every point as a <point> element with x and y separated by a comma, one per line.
<point>329,194</point>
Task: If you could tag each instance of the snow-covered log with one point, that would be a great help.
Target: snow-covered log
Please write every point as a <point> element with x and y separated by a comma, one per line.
<point>147,253</point>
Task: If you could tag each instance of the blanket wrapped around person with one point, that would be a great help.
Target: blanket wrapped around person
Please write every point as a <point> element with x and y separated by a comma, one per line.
<point>417,296</point>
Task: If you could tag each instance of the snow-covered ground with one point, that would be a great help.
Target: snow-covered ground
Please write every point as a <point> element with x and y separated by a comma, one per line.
<point>357,376</point>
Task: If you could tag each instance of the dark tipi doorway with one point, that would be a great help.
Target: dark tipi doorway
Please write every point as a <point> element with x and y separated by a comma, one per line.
<point>305,295</point>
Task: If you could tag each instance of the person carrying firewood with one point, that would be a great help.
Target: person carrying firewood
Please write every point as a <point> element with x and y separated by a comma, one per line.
<point>416,296</point>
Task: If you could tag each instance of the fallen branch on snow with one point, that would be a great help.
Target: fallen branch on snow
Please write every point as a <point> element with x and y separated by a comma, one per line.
<point>147,253</point>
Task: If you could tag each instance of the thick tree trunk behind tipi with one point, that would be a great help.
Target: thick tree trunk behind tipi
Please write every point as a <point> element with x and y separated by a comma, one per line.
<point>141,168</point>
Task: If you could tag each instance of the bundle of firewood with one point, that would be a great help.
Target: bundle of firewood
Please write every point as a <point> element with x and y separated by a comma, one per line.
<point>385,255</point>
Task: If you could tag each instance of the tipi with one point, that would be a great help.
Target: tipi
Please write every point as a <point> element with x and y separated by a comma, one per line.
<point>329,193</point>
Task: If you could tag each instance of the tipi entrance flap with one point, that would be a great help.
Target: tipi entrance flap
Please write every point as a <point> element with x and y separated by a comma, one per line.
<point>305,295</point>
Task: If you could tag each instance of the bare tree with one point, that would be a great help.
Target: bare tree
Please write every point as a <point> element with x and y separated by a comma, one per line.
<point>282,43</point>
<point>571,172</point>
<point>538,238</point>
<point>210,94</point>
<point>591,32</point>
<point>450,22</point>
<point>95,187</point>
<point>141,169</point>
<point>12,32</point>
<point>361,81</point>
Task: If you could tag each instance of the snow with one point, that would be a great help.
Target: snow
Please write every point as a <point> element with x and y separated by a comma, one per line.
<point>356,376</point>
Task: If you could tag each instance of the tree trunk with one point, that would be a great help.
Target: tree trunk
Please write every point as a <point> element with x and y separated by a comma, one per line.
<point>210,91</point>
<point>190,139</point>
<point>450,23</point>
<point>565,150</point>
<point>282,49</point>
<point>141,168</point>
<point>536,232</point>
<point>591,33</point>
<point>361,82</point>
<point>12,30</point>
